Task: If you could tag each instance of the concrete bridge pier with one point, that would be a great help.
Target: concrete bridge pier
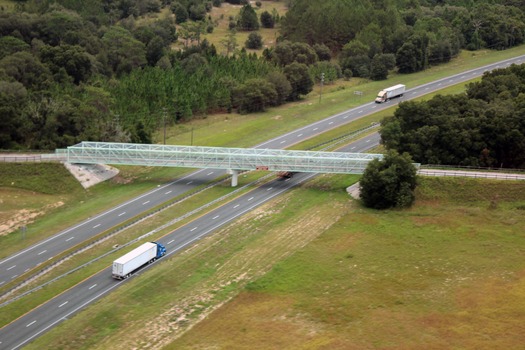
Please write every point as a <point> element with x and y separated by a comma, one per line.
<point>235,177</point>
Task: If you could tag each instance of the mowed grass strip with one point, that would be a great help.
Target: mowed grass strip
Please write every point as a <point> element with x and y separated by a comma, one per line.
<point>313,269</point>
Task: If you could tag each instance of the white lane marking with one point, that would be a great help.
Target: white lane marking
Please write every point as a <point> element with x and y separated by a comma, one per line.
<point>168,192</point>
<point>146,202</point>
<point>70,238</point>
<point>462,76</point>
<point>26,270</point>
<point>283,141</point>
<point>2,283</point>
<point>414,93</point>
<point>330,123</point>
<point>215,217</point>
<point>209,173</point>
<point>42,252</point>
<point>236,206</point>
<point>15,276</point>
<point>64,303</point>
<point>368,140</point>
<point>374,107</point>
<point>299,135</point>
<point>352,147</point>
<point>269,189</point>
<point>439,84</point>
<point>249,199</point>
<point>361,111</point>
<point>93,286</point>
<point>426,88</point>
<point>316,129</point>
<point>9,268</point>
<point>31,323</point>
<point>97,225</point>
<point>345,117</point>
<point>171,241</point>
<point>122,213</point>
<point>189,182</point>
<point>193,229</point>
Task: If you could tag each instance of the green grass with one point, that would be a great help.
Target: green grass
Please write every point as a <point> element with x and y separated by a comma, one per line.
<point>220,16</point>
<point>68,205</point>
<point>430,276</point>
<point>433,276</point>
<point>18,308</point>
<point>46,178</point>
<point>235,131</point>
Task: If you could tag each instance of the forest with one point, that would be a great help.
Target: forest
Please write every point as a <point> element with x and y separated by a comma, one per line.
<point>102,70</point>
<point>485,127</point>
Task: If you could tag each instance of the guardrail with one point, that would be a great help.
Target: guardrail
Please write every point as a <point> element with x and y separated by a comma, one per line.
<point>32,158</point>
<point>472,174</point>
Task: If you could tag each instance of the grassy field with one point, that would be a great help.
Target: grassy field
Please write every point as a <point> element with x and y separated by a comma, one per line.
<point>221,18</point>
<point>389,286</point>
<point>315,270</point>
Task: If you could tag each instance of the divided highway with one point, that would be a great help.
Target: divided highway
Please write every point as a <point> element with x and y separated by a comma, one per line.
<point>43,318</point>
<point>17,264</point>
<point>36,322</point>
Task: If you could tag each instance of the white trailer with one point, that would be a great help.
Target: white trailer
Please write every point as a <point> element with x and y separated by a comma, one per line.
<point>390,92</point>
<point>126,264</point>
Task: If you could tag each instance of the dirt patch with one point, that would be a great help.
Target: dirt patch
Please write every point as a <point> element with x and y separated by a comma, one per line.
<point>24,217</point>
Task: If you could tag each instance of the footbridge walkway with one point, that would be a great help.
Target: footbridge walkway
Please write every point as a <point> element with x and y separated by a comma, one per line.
<point>231,159</point>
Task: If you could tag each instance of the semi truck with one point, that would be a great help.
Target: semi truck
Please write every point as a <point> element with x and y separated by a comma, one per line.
<point>124,266</point>
<point>390,92</point>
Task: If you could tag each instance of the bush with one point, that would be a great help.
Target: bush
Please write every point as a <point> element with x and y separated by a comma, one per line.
<point>267,20</point>
<point>254,41</point>
<point>323,52</point>
<point>248,18</point>
<point>389,182</point>
<point>181,14</point>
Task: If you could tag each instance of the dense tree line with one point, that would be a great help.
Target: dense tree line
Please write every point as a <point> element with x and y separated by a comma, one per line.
<point>96,70</point>
<point>484,127</point>
<point>66,78</point>
<point>374,36</point>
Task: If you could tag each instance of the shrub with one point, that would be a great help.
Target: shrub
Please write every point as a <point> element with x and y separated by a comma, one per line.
<point>254,41</point>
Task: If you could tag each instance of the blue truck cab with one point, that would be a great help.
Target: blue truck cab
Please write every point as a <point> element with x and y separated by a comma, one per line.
<point>161,250</point>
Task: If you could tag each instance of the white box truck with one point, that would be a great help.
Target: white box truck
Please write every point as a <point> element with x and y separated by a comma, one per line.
<point>390,92</point>
<point>138,257</point>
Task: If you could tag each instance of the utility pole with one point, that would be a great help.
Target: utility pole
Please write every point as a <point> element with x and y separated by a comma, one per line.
<point>164,122</point>
<point>322,82</point>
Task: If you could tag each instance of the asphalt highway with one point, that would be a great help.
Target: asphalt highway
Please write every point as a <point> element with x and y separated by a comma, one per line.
<point>31,325</point>
<point>46,316</point>
<point>29,258</point>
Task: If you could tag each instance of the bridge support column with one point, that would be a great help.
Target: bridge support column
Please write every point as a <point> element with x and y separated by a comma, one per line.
<point>235,177</point>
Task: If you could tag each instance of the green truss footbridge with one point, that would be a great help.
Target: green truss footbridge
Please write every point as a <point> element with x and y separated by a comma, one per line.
<point>231,159</point>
